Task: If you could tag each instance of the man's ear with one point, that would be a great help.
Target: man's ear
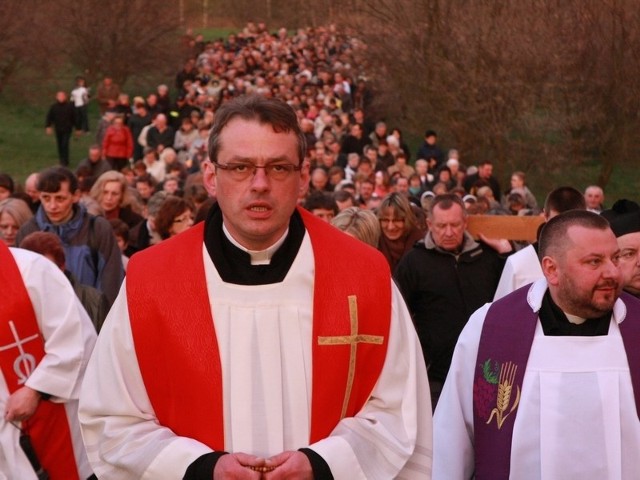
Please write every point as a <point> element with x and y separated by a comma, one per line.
<point>209,177</point>
<point>550,270</point>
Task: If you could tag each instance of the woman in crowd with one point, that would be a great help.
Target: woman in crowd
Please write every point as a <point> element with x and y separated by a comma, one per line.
<point>399,227</point>
<point>382,183</point>
<point>13,214</point>
<point>117,146</point>
<point>175,216</point>
<point>113,194</point>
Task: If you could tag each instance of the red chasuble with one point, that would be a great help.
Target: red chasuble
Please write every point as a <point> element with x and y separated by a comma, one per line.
<point>177,349</point>
<point>21,349</point>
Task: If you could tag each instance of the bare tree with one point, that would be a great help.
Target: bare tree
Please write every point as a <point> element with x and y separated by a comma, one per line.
<point>26,39</point>
<point>121,37</point>
<point>524,83</point>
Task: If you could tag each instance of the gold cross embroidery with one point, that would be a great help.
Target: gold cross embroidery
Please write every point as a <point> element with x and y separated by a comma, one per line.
<point>352,340</point>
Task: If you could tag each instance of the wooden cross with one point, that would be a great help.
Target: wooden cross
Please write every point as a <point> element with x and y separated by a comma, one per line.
<point>352,340</point>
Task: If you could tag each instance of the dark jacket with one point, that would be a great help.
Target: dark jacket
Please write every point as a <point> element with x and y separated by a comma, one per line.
<point>91,251</point>
<point>442,290</point>
<point>62,117</point>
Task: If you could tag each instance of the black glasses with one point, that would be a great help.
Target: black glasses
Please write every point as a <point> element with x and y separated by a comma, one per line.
<point>275,171</point>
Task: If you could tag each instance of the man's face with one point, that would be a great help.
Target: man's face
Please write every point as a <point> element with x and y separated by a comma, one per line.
<point>324,214</point>
<point>31,189</point>
<point>402,186</point>
<point>256,211</point>
<point>593,197</point>
<point>372,155</point>
<point>319,179</point>
<point>585,280</point>
<point>485,171</point>
<point>59,205</point>
<point>144,190</point>
<point>94,155</point>
<point>629,262</point>
<point>366,190</point>
<point>447,227</point>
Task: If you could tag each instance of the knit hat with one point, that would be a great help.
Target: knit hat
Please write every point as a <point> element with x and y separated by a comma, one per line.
<point>624,217</point>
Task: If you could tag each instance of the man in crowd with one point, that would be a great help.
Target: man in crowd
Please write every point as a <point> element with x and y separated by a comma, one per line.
<point>444,279</point>
<point>544,382</point>
<point>624,218</point>
<point>523,267</point>
<point>160,135</point>
<point>94,164</point>
<point>274,308</point>
<point>45,343</point>
<point>90,248</point>
<point>483,177</point>
<point>430,149</point>
<point>61,119</point>
<point>594,197</point>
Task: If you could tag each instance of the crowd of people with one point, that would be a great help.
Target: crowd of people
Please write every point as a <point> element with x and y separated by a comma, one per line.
<point>263,137</point>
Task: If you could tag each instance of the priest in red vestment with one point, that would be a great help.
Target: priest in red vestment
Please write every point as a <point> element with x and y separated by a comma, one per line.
<point>46,338</point>
<point>261,343</point>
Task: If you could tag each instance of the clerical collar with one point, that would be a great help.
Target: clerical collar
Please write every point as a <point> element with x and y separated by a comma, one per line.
<point>234,264</point>
<point>258,257</point>
<point>557,323</point>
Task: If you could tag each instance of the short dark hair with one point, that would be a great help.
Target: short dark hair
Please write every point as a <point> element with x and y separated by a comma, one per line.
<point>321,200</point>
<point>148,179</point>
<point>7,182</point>
<point>563,199</point>
<point>51,180</point>
<point>120,229</point>
<point>271,111</point>
<point>554,232</point>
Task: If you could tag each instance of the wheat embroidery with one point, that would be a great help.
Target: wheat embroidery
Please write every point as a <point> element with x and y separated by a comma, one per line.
<point>505,389</point>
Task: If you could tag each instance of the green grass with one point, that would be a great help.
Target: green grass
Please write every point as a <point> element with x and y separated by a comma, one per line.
<point>24,145</point>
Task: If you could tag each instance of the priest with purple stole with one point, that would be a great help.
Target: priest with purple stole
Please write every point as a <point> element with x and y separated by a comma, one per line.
<point>545,382</point>
<point>46,338</point>
<point>261,343</point>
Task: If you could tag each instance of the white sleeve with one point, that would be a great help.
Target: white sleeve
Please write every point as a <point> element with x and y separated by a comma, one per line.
<point>69,335</point>
<point>121,433</point>
<point>391,437</point>
<point>453,453</point>
<point>506,285</point>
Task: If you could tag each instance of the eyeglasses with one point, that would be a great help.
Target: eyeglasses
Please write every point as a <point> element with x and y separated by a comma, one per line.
<point>275,171</point>
<point>396,221</point>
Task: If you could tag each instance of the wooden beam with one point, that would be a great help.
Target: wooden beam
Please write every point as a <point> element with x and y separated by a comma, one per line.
<point>511,227</point>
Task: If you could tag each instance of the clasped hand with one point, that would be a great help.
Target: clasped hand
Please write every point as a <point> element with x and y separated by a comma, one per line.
<point>288,465</point>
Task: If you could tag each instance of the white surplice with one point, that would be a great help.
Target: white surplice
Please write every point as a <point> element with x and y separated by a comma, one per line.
<point>264,336</point>
<point>576,420</point>
<point>69,338</point>
<point>520,269</point>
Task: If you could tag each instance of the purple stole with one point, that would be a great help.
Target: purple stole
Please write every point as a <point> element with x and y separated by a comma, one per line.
<point>503,352</point>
